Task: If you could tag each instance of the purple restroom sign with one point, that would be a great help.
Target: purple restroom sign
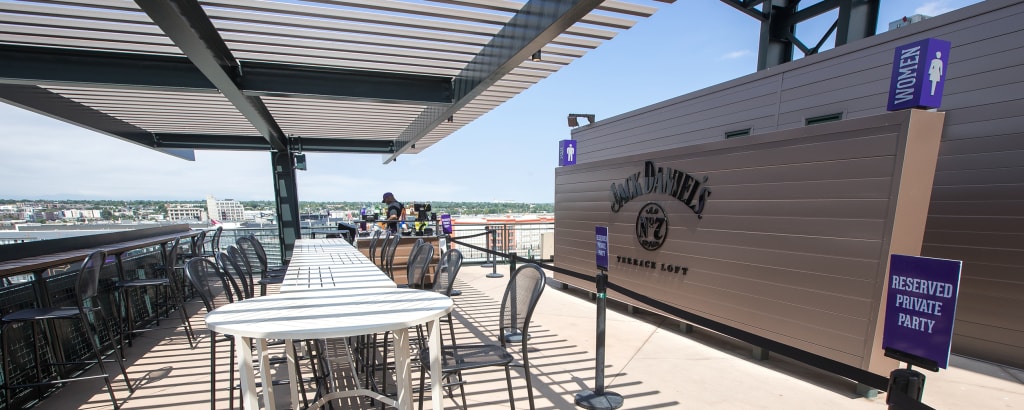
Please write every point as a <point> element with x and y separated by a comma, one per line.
<point>601,236</point>
<point>566,152</point>
<point>920,306</point>
<point>918,75</point>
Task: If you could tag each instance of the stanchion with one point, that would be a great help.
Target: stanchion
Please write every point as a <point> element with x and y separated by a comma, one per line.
<point>488,243</point>
<point>599,398</point>
<point>494,265</point>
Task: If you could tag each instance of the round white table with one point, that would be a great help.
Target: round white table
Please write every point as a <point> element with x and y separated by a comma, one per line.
<point>333,313</point>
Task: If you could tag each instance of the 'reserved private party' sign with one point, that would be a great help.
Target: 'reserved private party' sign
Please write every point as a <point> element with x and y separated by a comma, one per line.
<point>918,75</point>
<point>601,236</point>
<point>921,305</point>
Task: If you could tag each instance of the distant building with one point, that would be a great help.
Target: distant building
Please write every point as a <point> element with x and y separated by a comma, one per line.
<point>907,20</point>
<point>183,212</point>
<point>225,210</point>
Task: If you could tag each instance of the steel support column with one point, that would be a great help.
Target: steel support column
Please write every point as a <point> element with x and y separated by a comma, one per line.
<point>857,19</point>
<point>775,46</point>
<point>287,201</point>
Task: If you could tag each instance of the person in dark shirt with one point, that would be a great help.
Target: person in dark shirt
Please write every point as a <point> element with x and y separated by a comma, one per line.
<point>395,211</point>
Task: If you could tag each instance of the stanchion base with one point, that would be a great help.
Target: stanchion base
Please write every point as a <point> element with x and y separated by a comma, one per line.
<point>495,275</point>
<point>594,401</point>
<point>456,292</point>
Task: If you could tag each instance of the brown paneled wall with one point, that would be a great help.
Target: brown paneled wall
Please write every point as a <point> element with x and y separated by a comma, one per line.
<point>793,241</point>
<point>976,212</point>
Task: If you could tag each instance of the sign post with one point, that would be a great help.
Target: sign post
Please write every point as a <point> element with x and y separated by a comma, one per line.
<point>599,398</point>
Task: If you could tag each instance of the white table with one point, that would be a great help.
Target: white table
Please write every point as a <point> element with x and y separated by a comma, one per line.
<point>334,313</point>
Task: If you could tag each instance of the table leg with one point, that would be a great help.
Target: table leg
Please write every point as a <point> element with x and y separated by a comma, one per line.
<point>246,372</point>
<point>434,344</point>
<point>265,375</point>
<point>293,377</point>
<point>403,369</point>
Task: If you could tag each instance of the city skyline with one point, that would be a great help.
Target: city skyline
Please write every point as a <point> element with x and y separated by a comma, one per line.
<point>507,154</point>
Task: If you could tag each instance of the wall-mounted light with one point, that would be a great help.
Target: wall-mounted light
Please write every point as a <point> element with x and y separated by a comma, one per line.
<point>536,57</point>
<point>574,119</point>
<point>300,162</point>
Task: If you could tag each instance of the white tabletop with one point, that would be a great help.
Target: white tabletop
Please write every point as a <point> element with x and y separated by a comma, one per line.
<point>319,314</point>
<point>331,264</point>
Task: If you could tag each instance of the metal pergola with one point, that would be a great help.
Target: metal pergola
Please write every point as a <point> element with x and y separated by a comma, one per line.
<point>356,76</point>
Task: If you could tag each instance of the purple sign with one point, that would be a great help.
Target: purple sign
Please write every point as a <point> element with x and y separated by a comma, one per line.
<point>446,224</point>
<point>918,75</point>
<point>921,305</point>
<point>566,152</point>
<point>601,232</point>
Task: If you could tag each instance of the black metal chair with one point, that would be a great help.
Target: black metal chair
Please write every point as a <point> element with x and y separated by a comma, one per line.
<point>196,247</point>
<point>89,315</point>
<point>418,265</point>
<point>256,260</point>
<point>214,242</point>
<point>444,280</point>
<point>235,266</point>
<point>388,254</point>
<point>374,240</point>
<point>521,295</point>
<point>166,283</point>
<point>209,281</point>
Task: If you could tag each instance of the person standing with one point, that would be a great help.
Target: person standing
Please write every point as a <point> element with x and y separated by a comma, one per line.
<point>395,211</point>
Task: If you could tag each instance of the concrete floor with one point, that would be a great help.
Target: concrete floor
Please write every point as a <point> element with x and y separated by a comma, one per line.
<point>649,361</point>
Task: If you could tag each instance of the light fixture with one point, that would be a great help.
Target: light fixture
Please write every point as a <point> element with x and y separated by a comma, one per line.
<point>574,119</point>
<point>536,57</point>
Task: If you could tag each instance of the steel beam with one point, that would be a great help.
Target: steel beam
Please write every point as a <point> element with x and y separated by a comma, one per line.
<point>254,143</point>
<point>533,26</point>
<point>775,47</point>
<point>188,26</point>
<point>281,80</point>
<point>105,69</point>
<point>287,201</point>
<point>45,102</point>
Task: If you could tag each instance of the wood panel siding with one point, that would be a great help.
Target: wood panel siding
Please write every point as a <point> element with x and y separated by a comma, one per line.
<point>976,213</point>
<point>794,241</point>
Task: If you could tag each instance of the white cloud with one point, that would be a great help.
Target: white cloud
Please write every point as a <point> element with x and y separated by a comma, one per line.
<point>735,54</point>
<point>934,8</point>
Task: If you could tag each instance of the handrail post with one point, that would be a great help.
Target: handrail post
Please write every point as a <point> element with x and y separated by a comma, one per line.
<point>494,265</point>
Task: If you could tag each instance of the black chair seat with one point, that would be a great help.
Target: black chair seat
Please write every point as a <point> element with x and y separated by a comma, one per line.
<point>142,282</point>
<point>465,357</point>
<point>276,271</point>
<point>27,315</point>
<point>271,281</point>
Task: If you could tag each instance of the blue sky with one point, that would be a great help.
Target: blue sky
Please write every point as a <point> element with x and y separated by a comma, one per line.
<point>507,154</point>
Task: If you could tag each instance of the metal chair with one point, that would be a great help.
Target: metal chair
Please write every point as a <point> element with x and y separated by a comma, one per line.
<point>196,247</point>
<point>374,240</point>
<point>388,256</point>
<point>87,312</point>
<point>256,260</point>
<point>418,264</point>
<point>444,280</point>
<point>208,281</point>
<point>166,283</point>
<point>521,295</point>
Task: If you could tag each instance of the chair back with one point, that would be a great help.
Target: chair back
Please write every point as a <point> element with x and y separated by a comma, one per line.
<point>215,242</point>
<point>389,254</point>
<point>412,252</point>
<point>250,248</point>
<point>208,281</point>
<point>198,243</point>
<point>229,264</point>
<point>171,257</point>
<point>373,245</point>
<point>419,264</point>
<point>447,270</point>
<point>517,305</point>
<point>384,249</point>
<point>87,285</point>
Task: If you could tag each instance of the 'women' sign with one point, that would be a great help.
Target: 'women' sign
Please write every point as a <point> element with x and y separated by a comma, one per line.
<point>918,75</point>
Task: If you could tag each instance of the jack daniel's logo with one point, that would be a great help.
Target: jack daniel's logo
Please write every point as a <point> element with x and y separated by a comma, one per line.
<point>680,185</point>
